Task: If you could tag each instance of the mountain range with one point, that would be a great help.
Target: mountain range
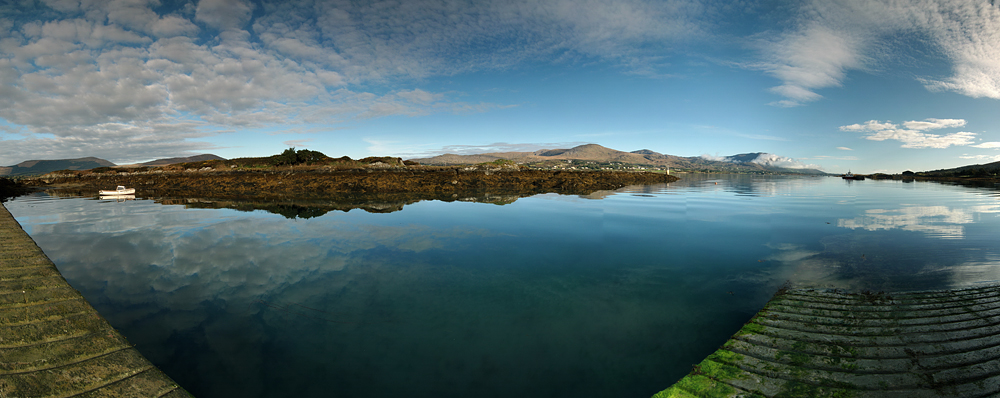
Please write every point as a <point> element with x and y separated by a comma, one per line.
<point>39,167</point>
<point>36,167</point>
<point>746,162</point>
<point>758,162</point>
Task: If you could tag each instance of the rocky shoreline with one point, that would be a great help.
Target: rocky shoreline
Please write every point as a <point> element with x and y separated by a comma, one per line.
<point>323,182</point>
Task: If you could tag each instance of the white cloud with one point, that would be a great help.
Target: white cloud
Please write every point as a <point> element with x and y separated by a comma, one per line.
<point>772,160</point>
<point>418,38</point>
<point>816,57</point>
<point>128,63</point>
<point>224,14</point>
<point>933,124</point>
<point>912,134</point>
<point>988,145</point>
<point>935,221</point>
<point>170,26</point>
<point>764,159</point>
<point>829,39</point>
<point>981,158</point>
<point>419,96</point>
<point>297,143</point>
<point>844,148</point>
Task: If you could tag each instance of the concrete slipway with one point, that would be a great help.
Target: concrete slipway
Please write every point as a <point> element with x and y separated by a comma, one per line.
<point>52,342</point>
<point>822,343</point>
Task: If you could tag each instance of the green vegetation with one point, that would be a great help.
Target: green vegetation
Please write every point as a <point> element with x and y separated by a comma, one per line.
<point>708,379</point>
<point>696,386</point>
<point>118,170</point>
<point>499,162</point>
<point>292,157</point>
<point>751,328</point>
<point>381,159</point>
<point>794,357</point>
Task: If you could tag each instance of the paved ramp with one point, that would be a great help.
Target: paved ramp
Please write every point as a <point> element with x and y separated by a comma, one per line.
<point>821,343</point>
<point>52,342</point>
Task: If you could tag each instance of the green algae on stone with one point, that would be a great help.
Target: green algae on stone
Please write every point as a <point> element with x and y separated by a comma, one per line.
<point>708,379</point>
<point>910,344</point>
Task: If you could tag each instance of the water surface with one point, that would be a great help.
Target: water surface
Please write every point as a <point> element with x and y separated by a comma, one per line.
<point>609,295</point>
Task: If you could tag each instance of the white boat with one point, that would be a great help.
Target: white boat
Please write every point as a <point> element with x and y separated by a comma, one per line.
<point>120,191</point>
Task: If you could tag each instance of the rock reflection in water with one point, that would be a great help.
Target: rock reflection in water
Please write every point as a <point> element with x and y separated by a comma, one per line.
<point>309,208</point>
<point>305,207</point>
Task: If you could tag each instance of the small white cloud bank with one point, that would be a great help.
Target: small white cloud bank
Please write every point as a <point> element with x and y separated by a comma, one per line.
<point>981,158</point>
<point>763,159</point>
<point>913,133</point>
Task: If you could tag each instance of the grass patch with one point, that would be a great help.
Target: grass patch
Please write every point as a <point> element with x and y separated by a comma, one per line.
<point>696,386</point>
<point>751,328</point>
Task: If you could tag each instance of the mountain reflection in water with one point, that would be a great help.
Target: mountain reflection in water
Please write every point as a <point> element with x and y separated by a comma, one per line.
<point>615,293</point>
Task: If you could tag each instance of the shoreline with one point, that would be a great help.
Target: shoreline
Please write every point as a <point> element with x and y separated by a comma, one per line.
<point>320,182</point>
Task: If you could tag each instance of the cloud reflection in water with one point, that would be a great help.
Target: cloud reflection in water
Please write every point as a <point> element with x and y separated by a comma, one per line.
<point>937,221</point>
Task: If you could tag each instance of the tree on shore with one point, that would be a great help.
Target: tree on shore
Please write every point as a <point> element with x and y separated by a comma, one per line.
<point>292,157</point>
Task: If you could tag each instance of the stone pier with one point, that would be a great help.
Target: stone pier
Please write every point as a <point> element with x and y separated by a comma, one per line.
<point>823,343</point>
<point>52,342</point>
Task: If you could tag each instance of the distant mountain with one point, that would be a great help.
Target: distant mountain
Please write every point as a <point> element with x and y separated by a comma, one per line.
<point>591,152</point>
<point>748,162</point>
<point>39,167</point>
<point>169,161</point>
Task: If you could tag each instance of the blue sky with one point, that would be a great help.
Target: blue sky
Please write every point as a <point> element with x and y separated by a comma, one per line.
<point>870,86</point>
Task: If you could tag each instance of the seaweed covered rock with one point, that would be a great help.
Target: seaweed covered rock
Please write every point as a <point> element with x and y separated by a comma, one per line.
<point>10,188</point>
<point>321,182</point>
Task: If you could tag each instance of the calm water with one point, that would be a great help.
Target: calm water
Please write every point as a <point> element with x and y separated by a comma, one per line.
<point>610,295</point>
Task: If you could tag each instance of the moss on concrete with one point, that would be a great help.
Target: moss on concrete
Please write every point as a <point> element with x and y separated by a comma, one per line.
<point>808,343</point>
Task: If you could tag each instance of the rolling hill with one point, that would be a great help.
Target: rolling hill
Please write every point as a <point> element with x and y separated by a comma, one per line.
<point>38,167</point>
<point>747,162</point>
<point>170,161</point>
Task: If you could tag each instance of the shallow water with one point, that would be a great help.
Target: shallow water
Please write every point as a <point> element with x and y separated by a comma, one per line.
<point>610,295</point>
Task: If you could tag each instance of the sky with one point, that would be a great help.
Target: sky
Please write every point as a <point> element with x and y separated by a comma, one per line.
<point>860,85</point>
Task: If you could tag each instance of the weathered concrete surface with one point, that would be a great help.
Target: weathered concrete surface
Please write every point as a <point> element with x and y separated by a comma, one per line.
<point>52,342</point>
<point>821,343</point>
